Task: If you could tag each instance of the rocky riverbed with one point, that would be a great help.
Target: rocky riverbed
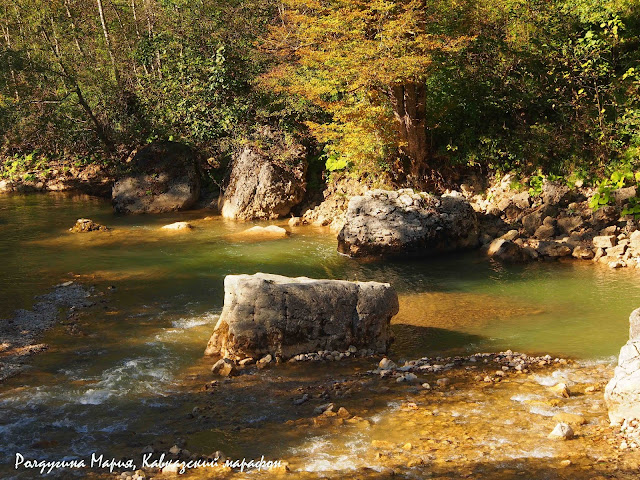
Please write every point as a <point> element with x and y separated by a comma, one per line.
<point>20,334</point>
<point>477,416</point>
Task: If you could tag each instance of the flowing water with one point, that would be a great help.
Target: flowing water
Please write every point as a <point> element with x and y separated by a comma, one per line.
<point>126,375</point>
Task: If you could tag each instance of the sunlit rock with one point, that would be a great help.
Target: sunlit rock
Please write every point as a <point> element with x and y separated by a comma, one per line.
<point>622,393</point>
<point>384,222</point>
<point>267,314</point>
<point>84,225</point>
<point>178,226</point>
<point>561,389</point>
<point>562,431</point>
<point>262,188</point>
<point>257,232</point>
<point>506,251</point>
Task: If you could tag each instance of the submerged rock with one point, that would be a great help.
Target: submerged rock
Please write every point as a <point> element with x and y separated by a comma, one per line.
<point>281,316</point>
<point>272,231</point>
<point>178,226</point>
<point>622,393</point>
<point>84,225</point>
<point>164,178</point>
<point>384,222</point>
<point>262,188</point>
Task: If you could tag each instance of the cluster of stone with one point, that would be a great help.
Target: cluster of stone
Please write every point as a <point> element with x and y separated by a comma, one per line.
<point>558,224</point>
<point>509,362</point>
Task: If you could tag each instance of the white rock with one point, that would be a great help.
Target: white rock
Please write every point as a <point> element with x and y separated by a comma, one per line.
<point>178,226</point>
<point>562,431</point>
<point>386,364</point>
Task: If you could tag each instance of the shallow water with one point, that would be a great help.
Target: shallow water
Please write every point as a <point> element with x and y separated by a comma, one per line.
<point>120,380</point>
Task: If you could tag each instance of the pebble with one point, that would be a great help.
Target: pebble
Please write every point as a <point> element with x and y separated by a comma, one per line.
<point>320,409</point>
<point>264,361</point>
<point>561,389</point>
<point>171,468</point>
<point>386,364</point>
<point>407,378</point>
<point>443,382</point>
<point>223,367</point>
<point>562,431</point>
<point>301,400</point>
<point>343,413</point>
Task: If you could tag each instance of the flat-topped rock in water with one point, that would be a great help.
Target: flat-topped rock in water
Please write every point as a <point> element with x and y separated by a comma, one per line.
<point>267,314</point>
<point>622,393</point>
<point>384,222</point>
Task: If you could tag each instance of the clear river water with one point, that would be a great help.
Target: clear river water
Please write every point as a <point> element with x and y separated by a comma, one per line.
<point>125,376</point>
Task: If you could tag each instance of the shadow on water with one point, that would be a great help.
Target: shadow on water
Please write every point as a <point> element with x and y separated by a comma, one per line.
<point>412,342</point>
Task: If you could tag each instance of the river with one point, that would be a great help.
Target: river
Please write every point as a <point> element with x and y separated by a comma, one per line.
<point>129,374</point>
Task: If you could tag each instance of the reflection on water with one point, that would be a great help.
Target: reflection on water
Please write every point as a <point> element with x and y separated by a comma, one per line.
<point>120,383</point>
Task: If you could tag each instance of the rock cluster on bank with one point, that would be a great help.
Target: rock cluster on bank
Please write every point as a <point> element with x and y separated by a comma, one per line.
<point>558,223</point>
<point>283,317</point>
<point>90,179</point>
<point>508,362</point>
<point>382,222</point>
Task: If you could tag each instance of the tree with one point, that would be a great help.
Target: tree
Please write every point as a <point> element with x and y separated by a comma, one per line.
<point>366,62</point>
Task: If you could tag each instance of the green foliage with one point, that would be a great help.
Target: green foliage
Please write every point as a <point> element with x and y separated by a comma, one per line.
<point>535,185</point>
<point>620,178</point>
<point>336,162</point>
<point>632,208</point>
<point>537,181</point>
<point>541,87</point>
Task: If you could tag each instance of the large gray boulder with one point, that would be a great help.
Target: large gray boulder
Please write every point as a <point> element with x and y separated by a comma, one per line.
<point>622,393</point>
<point>281,316</point>
<point>382,222</point>
<point>163,178</point>
<point>262,188</point>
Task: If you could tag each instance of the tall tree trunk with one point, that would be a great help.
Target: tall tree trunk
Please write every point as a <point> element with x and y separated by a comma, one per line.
<point>22,34</point>
<point>72,84</point>
<point>408,101</point>
<point>107,42</point>
<point>7,38</point>
<point>138,37</point>
<point>73,28</point>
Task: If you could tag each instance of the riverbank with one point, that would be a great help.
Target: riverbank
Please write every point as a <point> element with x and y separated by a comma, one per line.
<point>22,332</point>
<point>63,176</point>
<point>552,221</point>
